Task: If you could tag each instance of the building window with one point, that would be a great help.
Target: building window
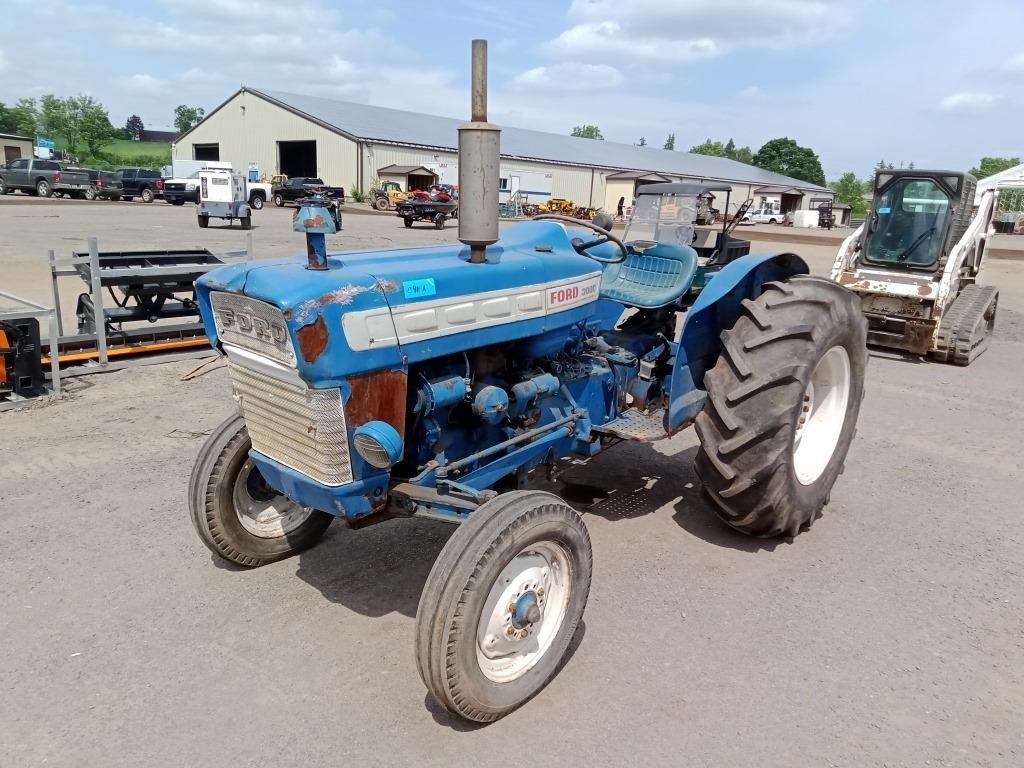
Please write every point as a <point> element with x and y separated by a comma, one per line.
<point>503,184</point>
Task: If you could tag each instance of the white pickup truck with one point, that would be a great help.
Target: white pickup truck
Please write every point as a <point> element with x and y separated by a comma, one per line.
<point>766,214</point>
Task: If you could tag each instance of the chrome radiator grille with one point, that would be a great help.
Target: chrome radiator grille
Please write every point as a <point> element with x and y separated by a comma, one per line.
<point>296,426</point>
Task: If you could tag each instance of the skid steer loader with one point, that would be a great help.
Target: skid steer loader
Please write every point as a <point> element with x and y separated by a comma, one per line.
<point>915,264</point>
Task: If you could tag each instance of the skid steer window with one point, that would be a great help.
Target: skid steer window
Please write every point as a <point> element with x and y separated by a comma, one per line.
<point>664,219</point>
<point>909,224</point>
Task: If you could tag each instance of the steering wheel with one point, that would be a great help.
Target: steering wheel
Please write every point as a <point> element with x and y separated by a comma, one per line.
<point>581,248</point>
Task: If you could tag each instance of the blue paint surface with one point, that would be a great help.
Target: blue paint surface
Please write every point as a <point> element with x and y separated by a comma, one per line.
<point>885,210</point>
<point>415,289</point>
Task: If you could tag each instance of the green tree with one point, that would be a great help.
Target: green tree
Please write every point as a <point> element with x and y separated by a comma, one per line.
<point>134,127</point>
<point>7,121</point>
<point>642,142</point>
<point>93,123</point>
<point>81,121</point>
<point>26,117</point>
<point>670,142</point>
<point>587,132</point>
<point>850,190</point>
<point>744,155</point>
<point>186,117</point>
<point>709,147</point>
<point>787,157</point>
<point>993,165</point>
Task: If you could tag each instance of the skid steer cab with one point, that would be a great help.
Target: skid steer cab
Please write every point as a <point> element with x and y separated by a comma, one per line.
<point>915,265</point>
<point>416,382</point>
<point>222,195</point>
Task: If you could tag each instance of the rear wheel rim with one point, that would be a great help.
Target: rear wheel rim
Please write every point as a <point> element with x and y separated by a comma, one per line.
<point>261,510</point>
<point>822,415</point>
<point>524,611</point>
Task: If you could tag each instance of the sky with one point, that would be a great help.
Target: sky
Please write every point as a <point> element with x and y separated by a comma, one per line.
<point>934,82</point>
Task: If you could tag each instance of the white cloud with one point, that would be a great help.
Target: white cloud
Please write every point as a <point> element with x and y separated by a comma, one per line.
<point>1015,64</point>
<point>686,30</point>
<point>569,76</point>
<point>968,102</point>
<point>607,38</point>
<point>143,83</point>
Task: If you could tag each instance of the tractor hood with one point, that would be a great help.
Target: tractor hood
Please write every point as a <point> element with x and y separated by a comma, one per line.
<point>381,309</point>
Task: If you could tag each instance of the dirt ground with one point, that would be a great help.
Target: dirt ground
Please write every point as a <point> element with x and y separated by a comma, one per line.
<point>889,634</point>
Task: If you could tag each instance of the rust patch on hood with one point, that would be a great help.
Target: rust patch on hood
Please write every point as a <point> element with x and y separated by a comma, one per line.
<point>378,395</point>
<point>313,339</point>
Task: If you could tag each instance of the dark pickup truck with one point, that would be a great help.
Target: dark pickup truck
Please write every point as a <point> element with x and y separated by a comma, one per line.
<point>298,187</point>
<point>42,178</point>
<point>141,183</point>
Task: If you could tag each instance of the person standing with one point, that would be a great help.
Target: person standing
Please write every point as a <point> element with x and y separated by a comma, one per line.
<point>620,209</point>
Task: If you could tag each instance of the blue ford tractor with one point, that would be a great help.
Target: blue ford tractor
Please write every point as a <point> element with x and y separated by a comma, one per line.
<point>434,381</point>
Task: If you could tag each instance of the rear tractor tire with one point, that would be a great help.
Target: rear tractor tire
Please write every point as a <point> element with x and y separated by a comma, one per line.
<point>381,203</point>
<point>502,604</point>
<point>238,516</point>
<point>782,406</point>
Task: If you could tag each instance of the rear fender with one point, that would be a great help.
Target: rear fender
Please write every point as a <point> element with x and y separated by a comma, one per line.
<point>718,307</point>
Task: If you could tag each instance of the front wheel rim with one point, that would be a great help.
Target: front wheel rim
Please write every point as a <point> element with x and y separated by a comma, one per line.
<point>524,611</point>
<point>822,415</point>
<point>261,510</point>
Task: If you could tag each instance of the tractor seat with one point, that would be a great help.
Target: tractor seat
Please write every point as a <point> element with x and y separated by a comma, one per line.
<point>651,279</point>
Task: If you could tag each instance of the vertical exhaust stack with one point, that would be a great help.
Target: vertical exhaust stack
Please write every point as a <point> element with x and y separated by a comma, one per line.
<point>479,150</point>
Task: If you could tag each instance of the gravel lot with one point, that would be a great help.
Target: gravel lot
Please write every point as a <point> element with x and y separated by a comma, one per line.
<point>890,634</point>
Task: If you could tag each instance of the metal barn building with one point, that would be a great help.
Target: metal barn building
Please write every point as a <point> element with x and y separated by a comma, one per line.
<point>356,145</point>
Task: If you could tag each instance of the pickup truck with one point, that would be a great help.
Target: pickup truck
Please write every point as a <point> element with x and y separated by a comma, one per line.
<point>768,214</point>
<point>298,187</point>
<point>178,191</point>
<point>142,183</point>
<point>104,185</point>
<point>42,177</point>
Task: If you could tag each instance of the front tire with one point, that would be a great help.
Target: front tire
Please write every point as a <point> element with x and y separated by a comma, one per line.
<point>502,604</point>
<point>782,406</point>
<point>381,204</point>
<point>236,514</point>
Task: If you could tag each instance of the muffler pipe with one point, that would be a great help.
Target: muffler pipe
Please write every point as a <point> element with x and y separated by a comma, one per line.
<point>479,167</point>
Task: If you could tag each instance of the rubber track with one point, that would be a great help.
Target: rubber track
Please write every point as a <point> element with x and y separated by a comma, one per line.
<point>963,333</point>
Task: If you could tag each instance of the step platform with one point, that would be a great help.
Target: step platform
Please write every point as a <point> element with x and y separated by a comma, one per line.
<point>635,425</point>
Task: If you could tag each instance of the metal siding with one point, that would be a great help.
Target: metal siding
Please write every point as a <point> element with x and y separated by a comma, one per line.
<point>380,124</point>
<point>568,182</point>
<point>252,133</point>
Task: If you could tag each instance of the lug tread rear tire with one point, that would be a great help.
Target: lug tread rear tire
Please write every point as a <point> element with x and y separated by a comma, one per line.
<point>443,616</point>
<point>754,400</point>
<point>212,476</point>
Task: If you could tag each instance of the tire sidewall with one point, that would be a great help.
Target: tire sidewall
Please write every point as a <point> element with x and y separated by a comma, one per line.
<point>257,202</point>
<point>146,196</point>
<point>279,201</point>
<point>816,494</point>
<point>216,470</point>
<point>498,698</point>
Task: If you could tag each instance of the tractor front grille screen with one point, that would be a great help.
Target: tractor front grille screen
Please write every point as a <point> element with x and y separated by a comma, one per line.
<point>294,425</point>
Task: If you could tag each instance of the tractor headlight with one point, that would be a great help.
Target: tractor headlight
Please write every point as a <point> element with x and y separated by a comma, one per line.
<point>378,443</point>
